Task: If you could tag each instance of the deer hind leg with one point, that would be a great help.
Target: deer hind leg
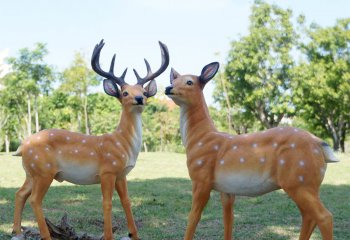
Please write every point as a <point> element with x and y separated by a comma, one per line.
<point>107,187</point>
<point>122,189</point>
<point>227,201</point>
<point>40,187</point>
<point>21,197</point>
<point>200,197</point>
<point>313,213</point>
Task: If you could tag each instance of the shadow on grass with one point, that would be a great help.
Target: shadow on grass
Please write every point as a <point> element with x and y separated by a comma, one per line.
<point>161,207</point>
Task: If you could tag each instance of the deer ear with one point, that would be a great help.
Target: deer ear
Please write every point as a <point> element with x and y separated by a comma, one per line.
<point>111,88</point>
<point>208,72</point>
<point>151,88</point>
<point>173,75</point>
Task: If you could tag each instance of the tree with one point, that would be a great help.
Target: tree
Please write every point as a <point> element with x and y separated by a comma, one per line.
<point>32,74</point>
<point>321,91</point>
<point>259,66</point>
<point>76,80</point>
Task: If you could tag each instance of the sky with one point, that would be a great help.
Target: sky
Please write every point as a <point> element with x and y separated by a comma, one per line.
<point>196,32</point>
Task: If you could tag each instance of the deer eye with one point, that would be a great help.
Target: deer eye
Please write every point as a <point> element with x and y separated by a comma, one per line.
<point>145,94</point>
<point>189,82</point>
<point>125,94</point>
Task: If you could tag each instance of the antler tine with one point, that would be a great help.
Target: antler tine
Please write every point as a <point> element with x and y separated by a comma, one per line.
<point>95,64</point>
<point>163,66</point>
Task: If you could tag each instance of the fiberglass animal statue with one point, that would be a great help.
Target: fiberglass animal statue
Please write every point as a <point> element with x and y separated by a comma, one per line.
<point>248,165</point>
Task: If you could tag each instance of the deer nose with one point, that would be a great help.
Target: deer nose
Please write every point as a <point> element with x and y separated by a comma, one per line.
<point>139,100</point>
<point>168,90</point>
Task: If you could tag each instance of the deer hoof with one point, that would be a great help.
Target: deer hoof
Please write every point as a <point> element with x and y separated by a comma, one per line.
<point>18,237</point>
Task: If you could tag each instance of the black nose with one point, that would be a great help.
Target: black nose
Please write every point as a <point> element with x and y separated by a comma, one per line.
<point>139,100</point>
<point>168,90</point>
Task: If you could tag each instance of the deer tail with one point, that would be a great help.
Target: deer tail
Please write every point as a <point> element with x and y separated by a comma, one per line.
<point>328,153</point>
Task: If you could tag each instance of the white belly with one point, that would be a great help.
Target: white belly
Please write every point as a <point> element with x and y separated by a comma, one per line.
<point>77,174</point>
<point>244,183</point>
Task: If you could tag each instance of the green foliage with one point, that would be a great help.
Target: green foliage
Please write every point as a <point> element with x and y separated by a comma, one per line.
<point>322,83</point>
<point>258,72</point>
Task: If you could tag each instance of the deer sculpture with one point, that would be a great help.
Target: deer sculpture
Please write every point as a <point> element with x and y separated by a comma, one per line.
<point>248,165</point>
<point>82,159</point>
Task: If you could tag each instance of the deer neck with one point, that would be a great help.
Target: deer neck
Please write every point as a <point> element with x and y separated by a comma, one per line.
<point>130,128</point>
<point>195,121</point>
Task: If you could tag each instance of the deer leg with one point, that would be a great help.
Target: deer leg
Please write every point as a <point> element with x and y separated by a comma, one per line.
<point>200,197</point>
<point>227,201</point>
<point>107,187</point>
<point>307,227</point>
<point>122,189</point>
<point>40,187</point>
<point>313,212</point>
<point>21,197</point>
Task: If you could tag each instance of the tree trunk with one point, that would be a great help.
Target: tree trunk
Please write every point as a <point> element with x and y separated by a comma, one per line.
<point>342,139</point>
<point>79,122</point>
<point>7,143</point>
<point>228,104</point>
<point>336,141</point>
<point>29,122</point>
<point>36,113</point>
<point>86,116</point>
<point>145,146</point>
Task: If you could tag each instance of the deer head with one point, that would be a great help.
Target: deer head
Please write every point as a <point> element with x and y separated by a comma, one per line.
<point>130,96</point>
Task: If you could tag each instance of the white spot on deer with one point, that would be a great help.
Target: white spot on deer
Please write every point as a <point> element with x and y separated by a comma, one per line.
<point>255,145</point>
<point>274,145</point>
<point>234,147</point>
<point>36,157</point>
<point>282,162</point>
<point>222,161</point>
<point>28,142</point>
<point>108,154</point>
<point>117,143</point>
<point>114,163</point>
<point>296,130</point>
<point>101,144</point>
<point>322,170</point>
<point>38,137</point>
<point>59,152</point>
<point>123,156</point>
<point>230,137</point>
<point>120,130</point>
<point>262,160</point>
<point>292,145</point>
<point>83,141</point>
<point>48,165</point>
<point>32,165</point>
<point>316,151</point>
<point>281,128</point>
<point>200,144</point>
<point>67,138</point>
<point>216,147</point>
<point>92,153</point>
<point>242,160</point>
<point>51,134</point>
<point>47,149</point>
<point>301,178</point>
<point>199,162</point>
<point>30,151</point>
<point>301,163</point>
<point>76,150</point>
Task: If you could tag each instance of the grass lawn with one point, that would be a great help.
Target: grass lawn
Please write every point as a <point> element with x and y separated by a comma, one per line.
<point>160,191</point>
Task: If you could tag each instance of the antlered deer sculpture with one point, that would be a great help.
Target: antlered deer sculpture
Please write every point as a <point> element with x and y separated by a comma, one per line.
<point>248,165</point>
<point>82,159</point>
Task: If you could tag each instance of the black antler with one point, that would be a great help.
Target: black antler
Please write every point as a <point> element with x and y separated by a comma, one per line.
<point>163,66</point>
<point>95,63</point>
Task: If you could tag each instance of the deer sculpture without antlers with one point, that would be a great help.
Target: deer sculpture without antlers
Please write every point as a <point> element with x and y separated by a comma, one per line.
<point>82,159</point>
<point>248,165</point>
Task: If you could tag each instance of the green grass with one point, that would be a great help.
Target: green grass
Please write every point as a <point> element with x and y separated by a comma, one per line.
<point>160,191</point>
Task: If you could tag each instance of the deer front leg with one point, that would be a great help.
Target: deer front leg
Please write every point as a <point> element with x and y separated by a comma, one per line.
<point>107,187</point>
<point>227,201</point>
<point>122,189</point>
<point>200,197</point>
<point>40,187</point>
